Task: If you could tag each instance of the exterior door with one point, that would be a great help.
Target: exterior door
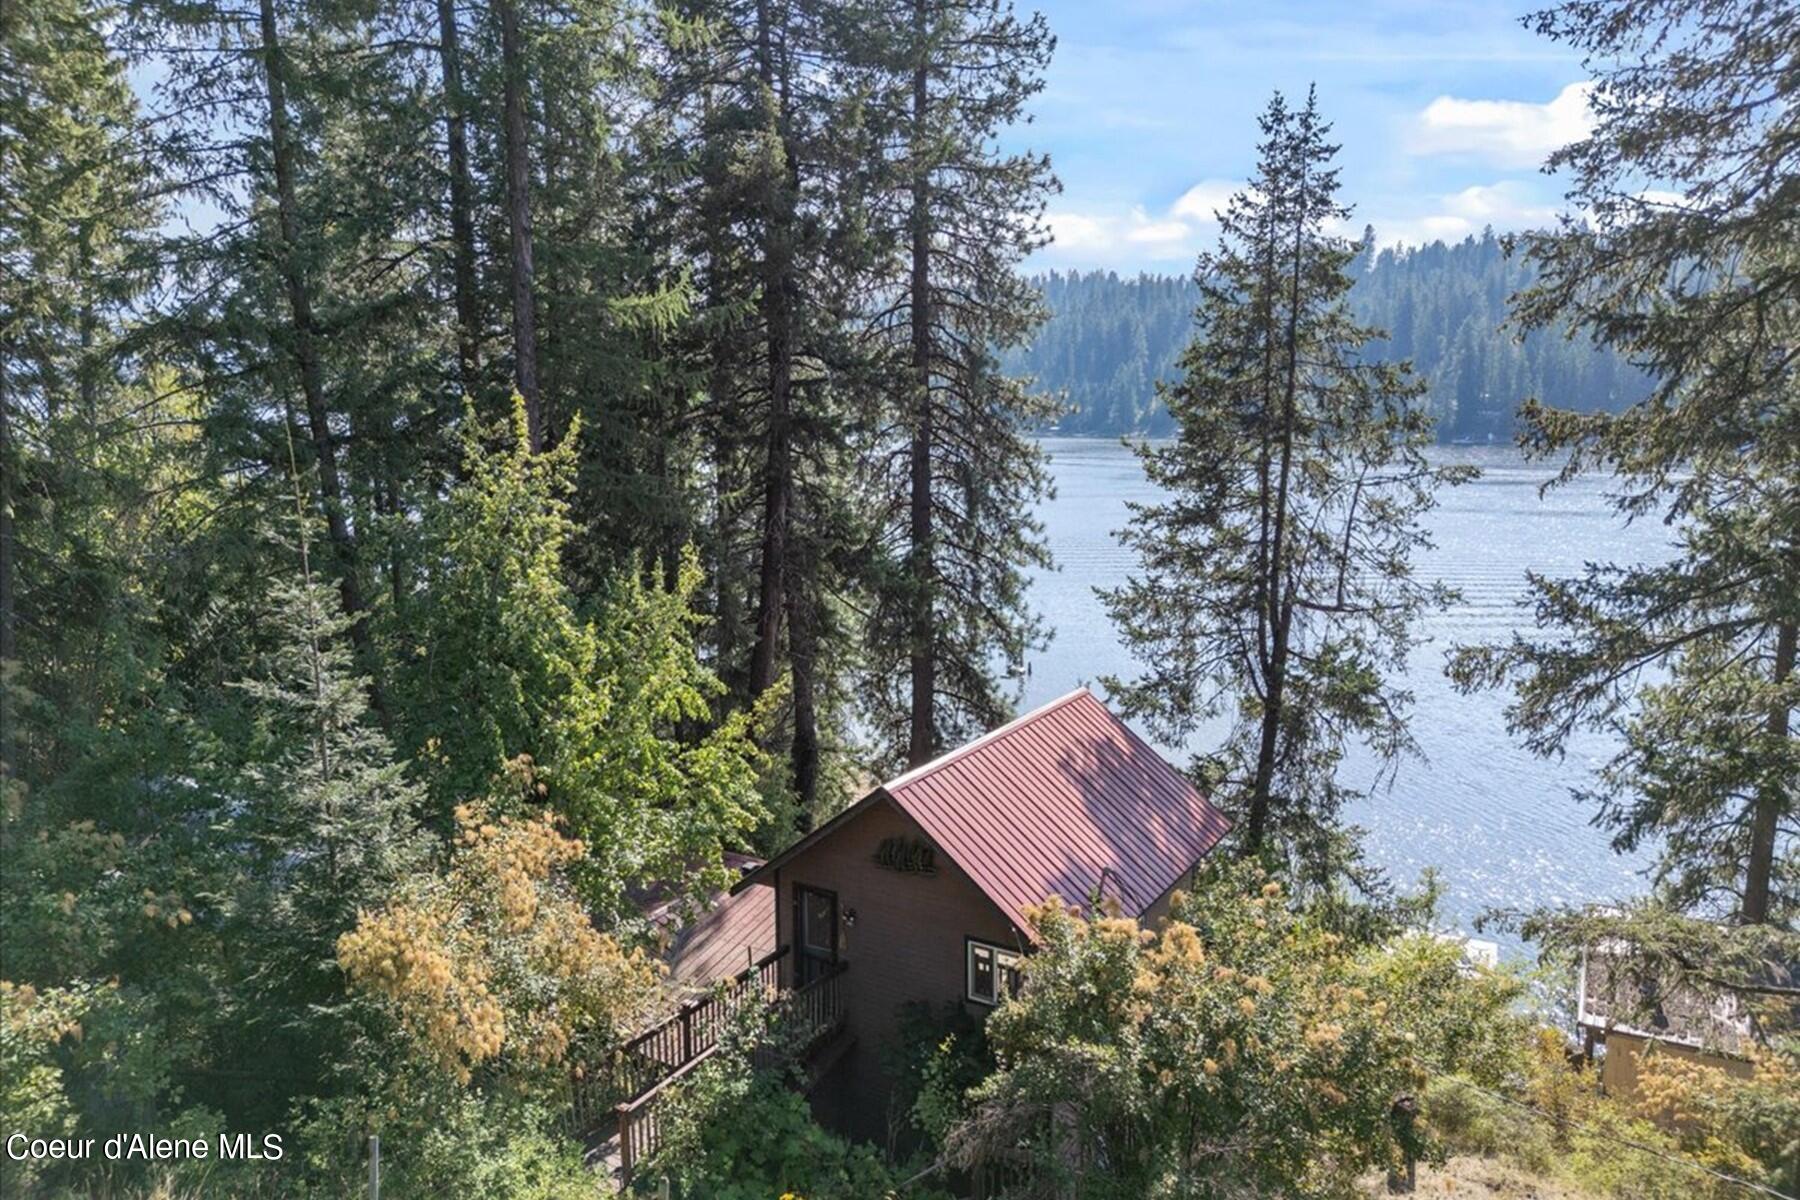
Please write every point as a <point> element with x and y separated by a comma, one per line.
<point>815,931</point>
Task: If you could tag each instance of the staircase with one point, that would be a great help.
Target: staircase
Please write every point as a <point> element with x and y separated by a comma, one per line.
<point>618,1107</point>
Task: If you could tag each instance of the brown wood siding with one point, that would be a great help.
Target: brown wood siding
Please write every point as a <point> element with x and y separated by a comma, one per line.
<point>1156,913</point>
<point>906,944</point>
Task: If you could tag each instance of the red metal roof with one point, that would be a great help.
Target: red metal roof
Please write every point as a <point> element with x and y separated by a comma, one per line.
<point>1065,801</point>
<point>726,939</point>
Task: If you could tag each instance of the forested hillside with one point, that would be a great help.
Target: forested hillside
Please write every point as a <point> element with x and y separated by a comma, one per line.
<point>1109,340</point>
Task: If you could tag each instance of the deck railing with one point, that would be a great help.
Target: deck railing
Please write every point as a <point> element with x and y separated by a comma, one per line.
<point>695,1026</point>
<point>805,1017</point>
<point>691,1032</point>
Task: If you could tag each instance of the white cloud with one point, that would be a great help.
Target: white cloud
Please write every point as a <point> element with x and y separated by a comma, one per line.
<point>1509,132</point>
<point>1175,237</point>
<point>1205,198</point>
<point>1509,204</point>
<point>1108,239</point>
<point>1077,231</point>
<point>1144,231</point>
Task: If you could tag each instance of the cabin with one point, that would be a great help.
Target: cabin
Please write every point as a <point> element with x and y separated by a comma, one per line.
<point>1624,1015</point>
<point>921,891</point>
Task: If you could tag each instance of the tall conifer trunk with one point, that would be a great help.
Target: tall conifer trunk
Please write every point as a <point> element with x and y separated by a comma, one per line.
<point>1278,588</point>
<point>803,649</point>
<point>1773,798</point>
<point>778,469</point>
<point>462,201</point>
<point>8,553</point>
<point>921,744</point>
<point>518,219</point>
<point>304,340</point>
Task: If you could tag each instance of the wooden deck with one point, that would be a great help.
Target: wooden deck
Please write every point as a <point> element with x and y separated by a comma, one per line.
<point>616,1105</point>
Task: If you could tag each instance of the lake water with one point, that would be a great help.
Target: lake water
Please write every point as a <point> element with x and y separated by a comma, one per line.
<point>1498,823</point>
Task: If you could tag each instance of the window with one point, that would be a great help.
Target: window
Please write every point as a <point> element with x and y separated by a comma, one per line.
<point>993,972</point>
<point>818,921</point>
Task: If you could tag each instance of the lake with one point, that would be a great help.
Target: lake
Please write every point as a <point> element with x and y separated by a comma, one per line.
<point>1498,823</point>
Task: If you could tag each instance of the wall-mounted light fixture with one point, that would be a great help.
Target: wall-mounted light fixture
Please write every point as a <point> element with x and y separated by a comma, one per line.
<point>849,918</point>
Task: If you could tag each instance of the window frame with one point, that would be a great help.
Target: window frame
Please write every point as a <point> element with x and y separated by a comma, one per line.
<point>1004,959</point>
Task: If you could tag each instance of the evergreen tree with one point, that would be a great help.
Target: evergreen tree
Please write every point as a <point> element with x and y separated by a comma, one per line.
<point>771,148</point>
<point>73,228</point>
<point>954,473</point>
<point>1697,278</point>
<point>93,454</point>
<point>296,310</point>
<point>319,821</point>
<point>1276,583</point>
<point>1443,305</point>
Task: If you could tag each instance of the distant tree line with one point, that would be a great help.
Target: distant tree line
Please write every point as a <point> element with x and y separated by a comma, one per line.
<point>1109,340</point>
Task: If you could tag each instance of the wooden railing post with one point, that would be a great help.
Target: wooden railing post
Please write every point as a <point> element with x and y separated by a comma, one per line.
<point>626,1158</point>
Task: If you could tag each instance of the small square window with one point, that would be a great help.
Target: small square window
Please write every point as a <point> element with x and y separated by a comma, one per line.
<point>993,972</point>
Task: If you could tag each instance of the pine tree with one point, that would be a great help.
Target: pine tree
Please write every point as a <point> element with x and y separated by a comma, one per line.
<point>302,304</point>
<point>93,453</point>
<point>773,214</point>
<point>1697,278</point>
<point>953,469</point>
<point>73,220</point>
<point>1275,584</point>
<point>1443,303</point>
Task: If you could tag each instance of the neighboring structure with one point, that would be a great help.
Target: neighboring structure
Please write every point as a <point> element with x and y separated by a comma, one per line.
<point>921,891</point>
<point>1628,1014</point>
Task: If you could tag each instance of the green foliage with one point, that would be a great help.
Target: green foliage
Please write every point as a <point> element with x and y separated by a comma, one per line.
<point>1553,1121</point>
<point>1243,1047</point>
<point>319,819</point>
<point>493,965</point>
<point>32,1097</point>
<point>736,1134</point>
<point>949,468</point>
<point>437,1140</point>
<point>776,292</point>
<point>1274,586</point>
<point>939,1055</point>
<point>1692,660</point>
<point>1469,1120</point>
<point>614,711</point>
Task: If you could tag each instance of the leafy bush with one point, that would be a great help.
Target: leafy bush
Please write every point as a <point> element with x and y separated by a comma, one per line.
<point>495,961</point>
<point>1560,1127</point>
<point>1468,1120</point>
<point>940,1054</point>
<point>437,1139</point>
<point>734,1133</point>
<point>1243,1047</point>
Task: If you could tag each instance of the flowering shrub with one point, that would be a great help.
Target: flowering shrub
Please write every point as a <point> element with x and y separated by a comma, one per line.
<point>1241,1048</point>
<point>1745,1127</point>
<point>495,960</point>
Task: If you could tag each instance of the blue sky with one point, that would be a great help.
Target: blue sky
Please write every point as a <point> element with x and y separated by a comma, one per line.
<point>1445,110</point>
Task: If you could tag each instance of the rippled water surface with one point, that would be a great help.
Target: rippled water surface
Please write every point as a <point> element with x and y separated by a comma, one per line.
<point>1499,823</point>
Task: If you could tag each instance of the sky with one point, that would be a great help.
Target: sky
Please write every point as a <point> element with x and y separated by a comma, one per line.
<point>1445,111</point>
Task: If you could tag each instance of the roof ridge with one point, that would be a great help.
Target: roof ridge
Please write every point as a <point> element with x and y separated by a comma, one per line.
<point>943,760</point>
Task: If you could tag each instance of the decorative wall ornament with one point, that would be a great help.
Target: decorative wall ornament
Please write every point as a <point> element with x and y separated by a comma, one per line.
<point>908,855</point>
